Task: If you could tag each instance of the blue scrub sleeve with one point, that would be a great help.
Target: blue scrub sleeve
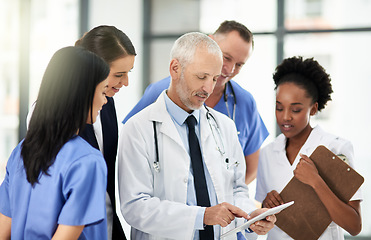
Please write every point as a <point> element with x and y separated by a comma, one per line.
<point>257,132</point>
<point>150,95</point>
<point>4,196</point>
<point>84,188</point>
<point>4,188</point>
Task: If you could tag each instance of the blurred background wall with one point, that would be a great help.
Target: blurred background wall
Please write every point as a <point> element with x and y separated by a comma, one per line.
<point>336,33</point>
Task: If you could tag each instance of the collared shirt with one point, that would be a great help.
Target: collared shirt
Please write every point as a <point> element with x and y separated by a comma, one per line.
<point>178,115</point>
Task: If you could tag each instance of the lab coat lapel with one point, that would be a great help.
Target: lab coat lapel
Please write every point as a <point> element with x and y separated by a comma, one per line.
<point>174,158</point>
<point>210,154</point>
<point>312,142</point>
<point>205,131</point>
<point>166,126</point>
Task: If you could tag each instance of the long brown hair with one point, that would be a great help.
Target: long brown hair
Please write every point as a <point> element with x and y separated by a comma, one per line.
<point>62,106</point>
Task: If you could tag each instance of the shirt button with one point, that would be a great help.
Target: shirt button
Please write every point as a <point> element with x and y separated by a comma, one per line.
<point>185,180</point>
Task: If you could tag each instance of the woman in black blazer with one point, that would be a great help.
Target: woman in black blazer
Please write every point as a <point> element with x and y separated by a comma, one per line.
<point>116,49</point>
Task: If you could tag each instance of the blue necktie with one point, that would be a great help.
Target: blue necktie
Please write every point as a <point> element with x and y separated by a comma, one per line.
<point>202,194</point>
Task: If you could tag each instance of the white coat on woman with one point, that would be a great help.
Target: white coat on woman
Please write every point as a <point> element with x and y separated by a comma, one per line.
<point>154,203</point>
<point>275,171</point>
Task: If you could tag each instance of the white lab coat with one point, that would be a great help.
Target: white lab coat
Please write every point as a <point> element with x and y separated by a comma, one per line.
<point>275,171</point>
<point>154,203</point>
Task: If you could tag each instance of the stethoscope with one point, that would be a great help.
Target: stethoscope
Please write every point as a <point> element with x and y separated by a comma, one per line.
<point>215,130</point>
<point>233,115</point>
<point>218,138</point>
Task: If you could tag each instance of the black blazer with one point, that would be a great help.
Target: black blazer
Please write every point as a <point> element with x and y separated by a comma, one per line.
<point>110,139</point>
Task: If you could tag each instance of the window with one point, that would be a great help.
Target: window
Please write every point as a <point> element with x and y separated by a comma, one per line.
<point>9,84</point>
<point>52,25</point>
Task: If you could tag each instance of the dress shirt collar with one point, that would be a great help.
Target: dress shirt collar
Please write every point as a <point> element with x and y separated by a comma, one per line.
<point>177,113</point>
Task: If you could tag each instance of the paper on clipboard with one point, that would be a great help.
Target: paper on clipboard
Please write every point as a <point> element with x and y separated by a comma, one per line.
<point>247,224</point>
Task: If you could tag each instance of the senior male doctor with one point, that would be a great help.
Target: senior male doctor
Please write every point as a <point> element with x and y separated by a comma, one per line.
<point>181,168</point>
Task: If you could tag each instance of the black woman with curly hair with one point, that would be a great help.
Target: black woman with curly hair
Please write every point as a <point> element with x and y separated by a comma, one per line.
<point>302,89</point>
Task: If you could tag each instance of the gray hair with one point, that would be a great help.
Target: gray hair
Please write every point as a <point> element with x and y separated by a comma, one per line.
<point>185,47</point>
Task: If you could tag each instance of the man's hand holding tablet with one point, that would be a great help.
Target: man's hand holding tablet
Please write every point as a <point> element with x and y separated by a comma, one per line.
<point>261,216</point>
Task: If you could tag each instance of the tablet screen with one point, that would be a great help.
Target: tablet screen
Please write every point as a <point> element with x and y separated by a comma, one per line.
<point>247,224</point>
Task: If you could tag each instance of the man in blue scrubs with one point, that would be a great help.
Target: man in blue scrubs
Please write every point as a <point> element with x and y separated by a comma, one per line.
<point>228,97</point>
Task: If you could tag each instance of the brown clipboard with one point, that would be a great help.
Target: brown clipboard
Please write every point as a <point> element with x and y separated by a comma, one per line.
<point>308,218</point>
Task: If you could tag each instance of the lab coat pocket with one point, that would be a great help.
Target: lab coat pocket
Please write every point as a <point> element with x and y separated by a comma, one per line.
<point>228,172</point>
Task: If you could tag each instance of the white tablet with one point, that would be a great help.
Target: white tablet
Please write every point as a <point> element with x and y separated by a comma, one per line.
<point>247,224</point>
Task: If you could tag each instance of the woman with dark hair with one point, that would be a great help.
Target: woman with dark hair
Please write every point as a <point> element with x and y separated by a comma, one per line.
<point>116,49</point>
<point>55,181</point>
<point>302,89</point>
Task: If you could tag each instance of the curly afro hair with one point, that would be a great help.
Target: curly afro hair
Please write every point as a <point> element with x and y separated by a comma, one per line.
<point>309,75</point>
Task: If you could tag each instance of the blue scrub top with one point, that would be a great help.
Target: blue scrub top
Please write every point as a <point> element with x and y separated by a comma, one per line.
<point>73,193</point>
<point>251,128</point>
